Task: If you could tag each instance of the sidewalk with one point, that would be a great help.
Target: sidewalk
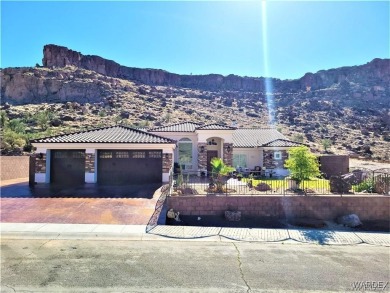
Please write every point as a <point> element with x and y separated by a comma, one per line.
<point>188,233</point>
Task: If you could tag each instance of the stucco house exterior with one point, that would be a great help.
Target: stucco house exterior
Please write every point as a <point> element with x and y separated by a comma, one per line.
<point>121,155</point>
<point>239,147</point>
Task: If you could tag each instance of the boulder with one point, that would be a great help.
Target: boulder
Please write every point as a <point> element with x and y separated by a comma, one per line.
<point>56,122</point>
<point>233,215</point>
<point>338,185</point>
<point>351,220</point>
<point>263,187</point>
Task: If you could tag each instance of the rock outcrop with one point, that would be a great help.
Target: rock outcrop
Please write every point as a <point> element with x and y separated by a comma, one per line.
<point>41,85</point>
<point>376,71</point>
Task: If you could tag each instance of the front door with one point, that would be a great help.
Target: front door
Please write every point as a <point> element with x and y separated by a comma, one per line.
<point>210,155</point>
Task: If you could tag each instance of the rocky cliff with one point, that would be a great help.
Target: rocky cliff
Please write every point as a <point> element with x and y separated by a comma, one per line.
<point>349,105</point>
<point>55,83</point>
<point>376,71</point>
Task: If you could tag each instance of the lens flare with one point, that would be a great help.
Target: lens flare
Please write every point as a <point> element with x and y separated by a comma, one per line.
<point>267,80</point>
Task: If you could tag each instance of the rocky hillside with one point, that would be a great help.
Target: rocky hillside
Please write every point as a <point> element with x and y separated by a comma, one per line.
<point>348,106</point>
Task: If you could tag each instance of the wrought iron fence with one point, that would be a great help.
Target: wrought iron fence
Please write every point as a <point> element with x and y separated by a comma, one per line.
<point>365,180</point>
<point>165,191</point>
<point>255,184</point>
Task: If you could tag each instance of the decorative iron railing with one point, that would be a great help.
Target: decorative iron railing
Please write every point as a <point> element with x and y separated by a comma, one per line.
<point>255,184</point>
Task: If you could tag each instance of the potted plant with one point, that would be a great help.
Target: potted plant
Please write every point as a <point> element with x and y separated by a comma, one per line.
<point>239,176</point>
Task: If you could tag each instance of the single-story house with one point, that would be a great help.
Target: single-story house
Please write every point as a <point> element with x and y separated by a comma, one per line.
<point>123,155</point>
<point>110,155</point>
<point>244,148</point>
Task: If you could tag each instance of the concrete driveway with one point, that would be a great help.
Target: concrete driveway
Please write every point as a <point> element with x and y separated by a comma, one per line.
<point>129,205</point>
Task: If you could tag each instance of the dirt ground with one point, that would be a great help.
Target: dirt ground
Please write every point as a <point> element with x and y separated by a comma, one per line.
<point>372,165</point>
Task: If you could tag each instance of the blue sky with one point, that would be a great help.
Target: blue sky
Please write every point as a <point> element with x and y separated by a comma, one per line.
<point>283,39</point>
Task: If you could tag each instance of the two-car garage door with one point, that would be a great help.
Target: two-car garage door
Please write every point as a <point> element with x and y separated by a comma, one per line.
<point>114,167</point>
<point>126,167</point>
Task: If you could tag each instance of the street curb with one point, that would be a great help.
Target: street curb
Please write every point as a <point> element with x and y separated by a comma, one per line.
<point>189,233</point>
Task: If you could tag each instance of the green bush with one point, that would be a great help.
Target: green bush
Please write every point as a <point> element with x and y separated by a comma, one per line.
<point>366,185</point>
<point>17,125</point>
<point>42,119</point>
<point>12,140</point>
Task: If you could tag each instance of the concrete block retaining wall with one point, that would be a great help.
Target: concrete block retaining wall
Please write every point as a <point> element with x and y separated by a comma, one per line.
<point>14,167</point>
<point>320,207</point>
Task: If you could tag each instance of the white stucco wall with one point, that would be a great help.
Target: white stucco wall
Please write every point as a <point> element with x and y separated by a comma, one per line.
<point>226,135</point>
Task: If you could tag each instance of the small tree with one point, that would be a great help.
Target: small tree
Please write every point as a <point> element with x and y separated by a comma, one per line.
<point>302,164</point>
<point>326,143</point>
<point>219,169</point>
<point>42,119</point>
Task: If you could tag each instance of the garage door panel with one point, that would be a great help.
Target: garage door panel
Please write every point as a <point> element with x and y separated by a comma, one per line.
<point>67,167</point>
<point>126,167</point>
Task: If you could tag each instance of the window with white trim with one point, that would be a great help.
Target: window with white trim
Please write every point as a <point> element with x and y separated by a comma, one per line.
<point>239,160</point>
<point>277,155</point>
<point>185,153</point>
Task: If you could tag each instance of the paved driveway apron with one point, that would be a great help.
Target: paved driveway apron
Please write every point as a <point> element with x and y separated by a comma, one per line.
<point>75,210</point>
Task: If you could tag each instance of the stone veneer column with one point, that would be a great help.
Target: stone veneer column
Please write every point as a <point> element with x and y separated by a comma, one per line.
<point>270,162</point>
<point>167,163</point>
<point>90,168</point>
<point>90,172</point>
<point>89,163</point>
<point>40,171</point>
<point>40,163</point>
<point>202,156</point>
<point>228,155</point>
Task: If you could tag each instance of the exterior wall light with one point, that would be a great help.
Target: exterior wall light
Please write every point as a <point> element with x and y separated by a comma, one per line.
<point>228,149</point>
<point>41,156</point>
<point>202,149</point>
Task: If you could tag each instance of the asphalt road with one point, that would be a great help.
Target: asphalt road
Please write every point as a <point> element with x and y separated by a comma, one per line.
<point>185,266</point>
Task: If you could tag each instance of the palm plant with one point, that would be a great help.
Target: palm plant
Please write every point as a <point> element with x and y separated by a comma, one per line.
<point>219,169</point>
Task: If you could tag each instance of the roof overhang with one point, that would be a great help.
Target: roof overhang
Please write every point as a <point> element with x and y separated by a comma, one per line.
<point>42,147</point>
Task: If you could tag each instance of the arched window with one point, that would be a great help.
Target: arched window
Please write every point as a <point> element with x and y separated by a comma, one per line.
<point>185,153</point>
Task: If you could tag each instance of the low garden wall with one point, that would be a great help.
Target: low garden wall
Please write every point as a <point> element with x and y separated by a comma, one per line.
<point>370,207</point>
<point>14,167</point>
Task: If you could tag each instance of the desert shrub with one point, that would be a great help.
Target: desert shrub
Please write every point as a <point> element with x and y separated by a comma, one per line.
<point>42,119</point>
<point>367,185</point>
<point>12,140</point>
<point>17,125</point>
<point>326,144</point>
<point>3,119</point>
<point>298,138</point>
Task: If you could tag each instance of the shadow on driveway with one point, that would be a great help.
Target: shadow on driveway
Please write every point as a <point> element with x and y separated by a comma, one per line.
<point>23,190</point>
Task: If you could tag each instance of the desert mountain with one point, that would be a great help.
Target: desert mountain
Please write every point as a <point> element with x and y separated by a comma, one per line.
<point>350,106</point>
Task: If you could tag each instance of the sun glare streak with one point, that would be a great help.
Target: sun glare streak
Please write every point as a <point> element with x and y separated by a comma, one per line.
<point>267,80</point>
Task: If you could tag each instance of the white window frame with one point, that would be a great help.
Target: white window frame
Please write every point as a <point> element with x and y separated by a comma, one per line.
<point>242,159</point>
<point>187,165</point>
<point>277,155</point>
